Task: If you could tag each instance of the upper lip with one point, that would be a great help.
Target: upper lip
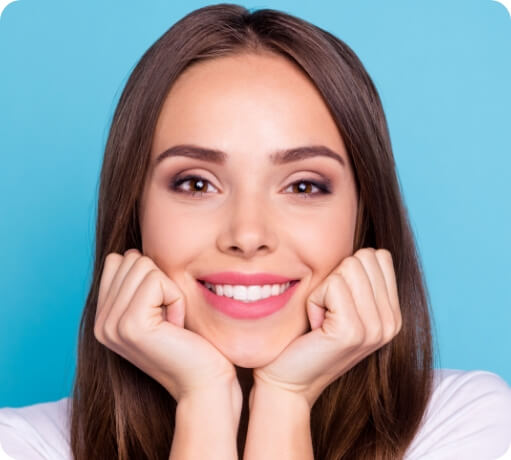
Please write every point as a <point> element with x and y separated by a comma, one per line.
<point>235,278</point>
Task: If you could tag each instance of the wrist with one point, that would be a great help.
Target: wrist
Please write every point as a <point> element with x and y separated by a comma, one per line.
<point>224,398</point>
<point>206,426</point>
<point>278,398</point>
<point>279,424</point>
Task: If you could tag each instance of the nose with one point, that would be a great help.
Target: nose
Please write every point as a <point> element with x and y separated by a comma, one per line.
<point>249,229</point>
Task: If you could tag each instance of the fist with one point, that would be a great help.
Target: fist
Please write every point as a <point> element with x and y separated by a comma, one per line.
<point>352,313</point>
<point>140,316</point>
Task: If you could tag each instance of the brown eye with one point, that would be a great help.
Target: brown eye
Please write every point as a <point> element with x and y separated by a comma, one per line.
<point>305,187</point>
<point>198,185</point>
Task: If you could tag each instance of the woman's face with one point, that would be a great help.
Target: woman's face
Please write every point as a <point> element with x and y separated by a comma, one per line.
<point>250,217</point>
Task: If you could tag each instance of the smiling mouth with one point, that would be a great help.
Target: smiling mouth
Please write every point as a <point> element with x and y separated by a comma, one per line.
<point>248,304</point>
<point>210,288</point>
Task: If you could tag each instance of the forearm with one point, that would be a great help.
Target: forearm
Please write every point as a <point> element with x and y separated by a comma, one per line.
<point>278,427</point>
<point>206,427</point>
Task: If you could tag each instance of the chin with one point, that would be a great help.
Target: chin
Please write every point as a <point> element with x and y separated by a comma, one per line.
<point>249,362</point>
<point>249,358</point>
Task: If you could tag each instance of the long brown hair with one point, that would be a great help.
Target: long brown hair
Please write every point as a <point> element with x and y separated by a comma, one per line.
<point>374,410</point>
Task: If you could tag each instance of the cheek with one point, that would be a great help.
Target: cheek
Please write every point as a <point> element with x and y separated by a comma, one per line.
<point>326,239</point>
<point>171,236</point>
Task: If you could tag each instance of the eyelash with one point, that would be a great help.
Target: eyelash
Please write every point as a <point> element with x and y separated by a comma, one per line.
<point>324,188</point>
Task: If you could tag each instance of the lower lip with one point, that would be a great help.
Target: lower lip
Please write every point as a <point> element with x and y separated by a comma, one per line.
<point>247,310</point>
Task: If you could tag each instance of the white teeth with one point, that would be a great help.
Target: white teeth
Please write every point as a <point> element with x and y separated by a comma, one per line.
<point>247,293</point>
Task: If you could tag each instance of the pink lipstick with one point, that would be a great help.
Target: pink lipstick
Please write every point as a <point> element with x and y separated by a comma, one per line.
<point>246,310</point>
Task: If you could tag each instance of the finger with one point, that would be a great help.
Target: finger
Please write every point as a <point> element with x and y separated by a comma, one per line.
<point>110,267</point>
<point>143,333</point>
<point>143,312</point>
<point>358,281</point>
<point>135,275</point>
<point>129,258</point>
<point>341,319</point>
<point>367,257</point>
<point>316,316</point>
<point>321,351</point>
<point>384,258</point>
<point>121,265</point>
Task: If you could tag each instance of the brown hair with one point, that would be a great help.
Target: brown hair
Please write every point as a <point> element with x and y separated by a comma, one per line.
<point>372,411</point>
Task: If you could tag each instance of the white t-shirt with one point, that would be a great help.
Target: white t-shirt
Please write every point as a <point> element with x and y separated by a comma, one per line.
<point>468,417</point>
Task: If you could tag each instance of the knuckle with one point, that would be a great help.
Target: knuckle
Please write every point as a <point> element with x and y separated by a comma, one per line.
<point>108,332</point>
<point>340,278</point>
<point>392,330</point>
<point>376,335</point>
<point>336,278</point>
<point>366,252</point>
<point>127,329</point>
<point>388,335</point>
<point>399,325</point>
<point>111,257</point>
<point>98,334</point>
<point>355,336</point>
<point>153,276</point>
<point>349,263</point>
<point>131,255</point>
<point>145,262</point>
<point>385,254</point>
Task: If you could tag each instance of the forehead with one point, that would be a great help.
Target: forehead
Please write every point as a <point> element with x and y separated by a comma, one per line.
<point>242,103</point>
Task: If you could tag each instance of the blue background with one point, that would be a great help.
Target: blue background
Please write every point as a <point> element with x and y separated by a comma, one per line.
<point>443,71</point>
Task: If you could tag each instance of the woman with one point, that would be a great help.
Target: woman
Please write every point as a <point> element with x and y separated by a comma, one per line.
<point>252,149</point>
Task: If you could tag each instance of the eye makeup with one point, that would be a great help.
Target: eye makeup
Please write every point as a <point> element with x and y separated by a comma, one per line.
<point>324,186</point>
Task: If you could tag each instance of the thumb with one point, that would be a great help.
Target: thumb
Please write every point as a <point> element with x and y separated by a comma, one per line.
<point>174,303</point>
<point>316,315</point>
<point>176,312</point>
<point>315,306</point>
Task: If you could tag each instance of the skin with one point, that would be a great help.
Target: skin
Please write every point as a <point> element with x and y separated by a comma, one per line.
<point>249,218</point>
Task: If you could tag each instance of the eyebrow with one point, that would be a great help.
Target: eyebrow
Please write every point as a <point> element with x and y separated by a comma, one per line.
<point>279,157</point>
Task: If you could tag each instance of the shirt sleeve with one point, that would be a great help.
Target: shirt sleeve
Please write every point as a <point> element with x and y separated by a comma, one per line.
<point>468,417</point>
<point>36,432</point>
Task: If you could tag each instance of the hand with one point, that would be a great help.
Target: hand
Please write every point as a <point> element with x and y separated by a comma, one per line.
<point>352,313</point>
<point>130,321</point>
